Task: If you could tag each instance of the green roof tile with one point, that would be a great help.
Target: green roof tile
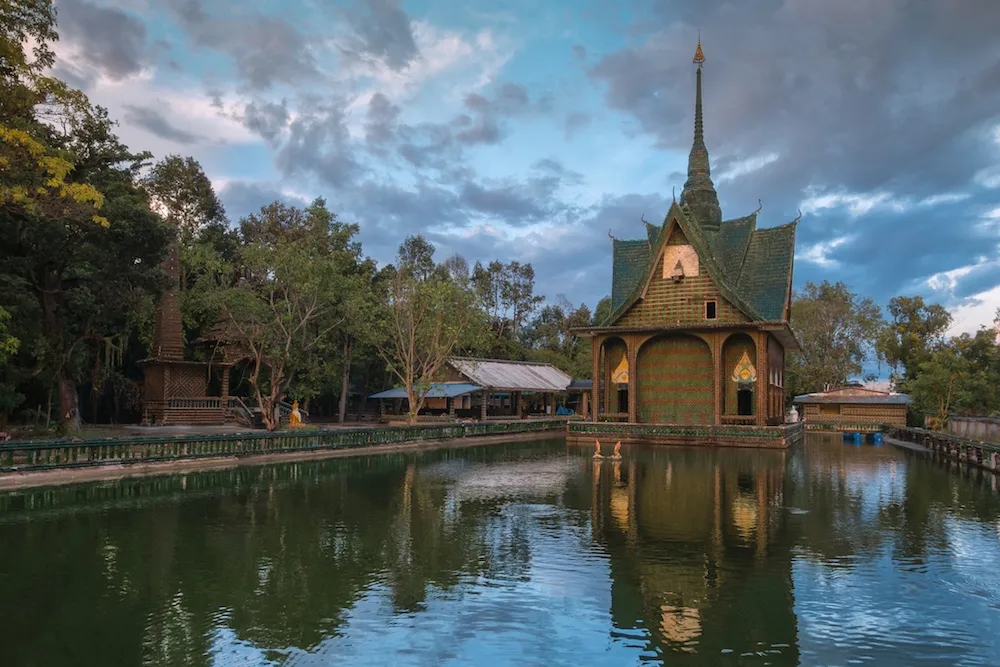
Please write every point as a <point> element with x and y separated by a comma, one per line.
<point>752,267</point>
<point>764,278</point>
<point>630,260</point>
<point>730,244</point>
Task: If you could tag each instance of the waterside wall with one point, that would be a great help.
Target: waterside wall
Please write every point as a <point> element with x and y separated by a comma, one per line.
<point>41,455</point>
<point>978,453</point>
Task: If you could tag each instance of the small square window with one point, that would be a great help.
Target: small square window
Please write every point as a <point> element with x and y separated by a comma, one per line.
<point>710,313</point>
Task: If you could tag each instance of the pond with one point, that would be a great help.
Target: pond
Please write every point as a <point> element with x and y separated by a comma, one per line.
<point>520,554</point>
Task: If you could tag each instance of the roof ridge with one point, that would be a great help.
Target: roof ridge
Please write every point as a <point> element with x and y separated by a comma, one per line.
<point>503,361</point>
<point>692,230</point>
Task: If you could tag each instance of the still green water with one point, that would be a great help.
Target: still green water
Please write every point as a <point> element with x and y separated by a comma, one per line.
<point>524,554</point>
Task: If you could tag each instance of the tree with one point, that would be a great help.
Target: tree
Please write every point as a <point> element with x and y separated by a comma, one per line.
<point>836,330</point>
<point>284,297</point>
<point>90,274</point>
<point>914,332</point>
<point>960,375</point>
<point>181,192</point>
<point>431,312</point>
<point>507,294</point>
<point>549,337</point>
<point>602,313</point>
<point>9,397</point>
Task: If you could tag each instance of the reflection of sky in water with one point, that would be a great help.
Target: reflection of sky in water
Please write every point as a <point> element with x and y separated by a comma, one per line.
<point>558,613</point>
<point>524,557</point>
<point>880,606</point>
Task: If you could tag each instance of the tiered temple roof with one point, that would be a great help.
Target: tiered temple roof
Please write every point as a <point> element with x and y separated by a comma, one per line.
<point>751,267</point>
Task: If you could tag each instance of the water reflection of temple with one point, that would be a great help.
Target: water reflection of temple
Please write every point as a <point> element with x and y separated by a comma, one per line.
<point>698,563</point>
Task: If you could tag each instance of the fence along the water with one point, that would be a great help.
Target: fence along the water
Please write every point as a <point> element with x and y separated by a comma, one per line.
<point>48,454</point>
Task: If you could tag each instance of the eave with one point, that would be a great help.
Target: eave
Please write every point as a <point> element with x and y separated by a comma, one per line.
<point>780,330</point>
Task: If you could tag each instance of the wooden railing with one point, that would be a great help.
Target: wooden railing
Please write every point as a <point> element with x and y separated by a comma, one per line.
<point>211,402</point>
<point>48,454</point>
<point>973,452</point>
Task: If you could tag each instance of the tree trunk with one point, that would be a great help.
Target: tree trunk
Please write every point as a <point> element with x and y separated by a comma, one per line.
<point>69,405</point>
<point>344,381</point>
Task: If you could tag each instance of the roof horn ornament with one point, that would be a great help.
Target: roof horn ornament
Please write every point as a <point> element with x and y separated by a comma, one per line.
<point>799,216</point>
<point>760,205</point>
<point>610,236</point>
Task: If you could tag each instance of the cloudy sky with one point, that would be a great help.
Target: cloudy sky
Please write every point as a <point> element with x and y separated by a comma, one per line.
<point>527,130</point>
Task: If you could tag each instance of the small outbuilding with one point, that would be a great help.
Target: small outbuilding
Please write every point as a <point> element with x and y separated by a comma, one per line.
<point>854,409</point>
<point>484,388</point>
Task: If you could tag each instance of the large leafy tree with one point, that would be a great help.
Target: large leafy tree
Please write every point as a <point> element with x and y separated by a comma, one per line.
<point>837,331</point>
<point>284,296</point>
<point>916,329</point>
<point>431,313</point>
<point>507,295</point>
<point>76,234</point>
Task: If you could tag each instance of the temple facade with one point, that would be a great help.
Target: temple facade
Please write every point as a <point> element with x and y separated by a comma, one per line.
<point>700,318</point>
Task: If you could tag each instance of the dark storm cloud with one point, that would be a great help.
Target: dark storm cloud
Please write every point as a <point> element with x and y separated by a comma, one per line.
<point>266,119</point>
<point>241,198</point>
<point>382,30</point>
<point>575,262</point>
<point>485,125</point>
<point>380,119</point>
<point>111,40</point>
<point>318,142</point>
<point>152,120</point>
<point>555,169</point>
<point>856,94</point>
<point>264,49</point>
<point>854,97</point>
<point>507,201</point>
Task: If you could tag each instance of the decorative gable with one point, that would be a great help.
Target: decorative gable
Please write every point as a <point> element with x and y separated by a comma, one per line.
<point>669,302</point>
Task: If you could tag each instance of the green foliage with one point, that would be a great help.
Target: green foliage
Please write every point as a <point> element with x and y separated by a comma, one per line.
<point>295,280</point>
<point>960,375</point>
<point>914,332</point>
<point>431,314</point>
<point>837,331</point>
<point>181,192</point>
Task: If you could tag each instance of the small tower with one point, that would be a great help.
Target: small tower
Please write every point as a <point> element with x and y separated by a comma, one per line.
<point>699,191</point>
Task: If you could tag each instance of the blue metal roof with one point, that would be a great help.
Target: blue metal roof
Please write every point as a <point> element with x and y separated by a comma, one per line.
<point>437,390</point>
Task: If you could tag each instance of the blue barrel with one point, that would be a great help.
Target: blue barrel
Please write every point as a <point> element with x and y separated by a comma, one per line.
<point>878,439</point>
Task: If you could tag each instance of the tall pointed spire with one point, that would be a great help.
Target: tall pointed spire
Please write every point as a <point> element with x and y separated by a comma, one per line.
<point>699,191</point>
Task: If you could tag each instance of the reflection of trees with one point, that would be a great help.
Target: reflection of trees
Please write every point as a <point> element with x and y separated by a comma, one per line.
<point>699,544</point>
<point>862,499</point>
<point>279,562</point>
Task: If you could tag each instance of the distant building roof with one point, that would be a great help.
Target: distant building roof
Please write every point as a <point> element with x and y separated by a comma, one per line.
<point>512,375</point>
<point>854,395</point>
<point>437,390</point>
<point>581,385</point>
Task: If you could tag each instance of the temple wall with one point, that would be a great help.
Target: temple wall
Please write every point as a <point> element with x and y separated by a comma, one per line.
<point>675,385</point>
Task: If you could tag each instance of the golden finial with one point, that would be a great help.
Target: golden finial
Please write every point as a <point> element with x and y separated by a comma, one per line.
<point>699,57</point>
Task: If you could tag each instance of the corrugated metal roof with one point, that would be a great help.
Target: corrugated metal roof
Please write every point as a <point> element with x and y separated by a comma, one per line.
<point>874,399</point>
<point>512,375</point>
<point>440,390</point>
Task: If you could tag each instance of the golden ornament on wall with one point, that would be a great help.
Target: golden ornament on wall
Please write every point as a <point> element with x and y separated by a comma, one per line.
<point>744,371</point>
<point>620,374</point>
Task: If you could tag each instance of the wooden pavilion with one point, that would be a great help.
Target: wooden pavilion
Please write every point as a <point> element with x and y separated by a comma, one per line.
<point>694,349</point>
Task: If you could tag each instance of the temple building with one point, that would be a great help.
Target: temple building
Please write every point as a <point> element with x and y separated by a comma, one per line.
<point>699,328</point>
